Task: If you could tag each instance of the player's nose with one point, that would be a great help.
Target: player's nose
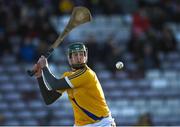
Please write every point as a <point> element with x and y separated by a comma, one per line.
<point>79,58</point>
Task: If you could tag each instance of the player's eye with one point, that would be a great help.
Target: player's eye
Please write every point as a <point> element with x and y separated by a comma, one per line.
<point>81,53</point>
<point>75,54</point>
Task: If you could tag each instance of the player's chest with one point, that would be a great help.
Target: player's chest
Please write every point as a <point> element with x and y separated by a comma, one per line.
<point>74,93</point>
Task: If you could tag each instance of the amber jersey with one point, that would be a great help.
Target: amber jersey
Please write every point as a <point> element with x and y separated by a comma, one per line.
<point>86,96</point>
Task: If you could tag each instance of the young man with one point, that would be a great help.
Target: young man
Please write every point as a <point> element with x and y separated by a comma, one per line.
<point>82,85</point>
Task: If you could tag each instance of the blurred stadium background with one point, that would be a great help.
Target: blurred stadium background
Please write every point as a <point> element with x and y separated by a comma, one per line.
<point>144,34</point>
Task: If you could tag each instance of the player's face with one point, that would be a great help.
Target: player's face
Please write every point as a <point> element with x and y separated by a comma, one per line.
<point>78,58</point>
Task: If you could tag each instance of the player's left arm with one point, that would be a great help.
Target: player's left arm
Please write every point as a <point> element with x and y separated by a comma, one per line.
<point>53,83</point>
<point>48,96</point>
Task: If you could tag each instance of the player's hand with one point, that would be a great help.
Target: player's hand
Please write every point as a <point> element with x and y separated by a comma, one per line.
<point>37,69</point>
<point>42,62</point>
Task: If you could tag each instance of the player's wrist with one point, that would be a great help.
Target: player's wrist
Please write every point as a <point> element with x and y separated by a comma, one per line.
<point>44,67</point>
<point>39,77</point>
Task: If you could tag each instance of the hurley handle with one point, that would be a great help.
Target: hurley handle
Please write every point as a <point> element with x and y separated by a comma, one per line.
<point>47,54</point>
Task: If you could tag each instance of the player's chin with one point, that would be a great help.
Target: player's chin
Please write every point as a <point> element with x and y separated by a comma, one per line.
<point>78,66</point>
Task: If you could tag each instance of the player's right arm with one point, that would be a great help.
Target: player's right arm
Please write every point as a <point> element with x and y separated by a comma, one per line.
<point>48,96</point>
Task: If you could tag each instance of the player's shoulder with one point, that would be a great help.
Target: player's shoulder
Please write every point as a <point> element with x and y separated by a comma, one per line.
<point>90,71</point>
<point>83,71</point>
<point>66,73</point>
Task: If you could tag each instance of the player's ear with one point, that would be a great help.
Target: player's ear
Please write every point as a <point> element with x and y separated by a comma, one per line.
<point>86,52</point>
<point>86,55</point>
<point>70,55</point>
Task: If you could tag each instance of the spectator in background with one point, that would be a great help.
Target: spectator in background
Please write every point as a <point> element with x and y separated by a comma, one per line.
<point>111,54</point>
<point>2,120</point>
<point>176,10</point>
<point>157,17</point>
<point>5,47</point>
<point>94,6</point>
<point>110,7</point>
<point>149,59</point>
<point>47,33</point>
<point>93,51</point>
<point>27,50</point>
<point>48,118</point>
<point>66,6</point>
<point>141,22</point>
<point>135,46</point>
<point>145,120</point>
<point>167,41</point>
<point>145,50</point>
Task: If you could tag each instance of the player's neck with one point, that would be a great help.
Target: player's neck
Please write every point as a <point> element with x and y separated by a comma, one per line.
<point>74,68</point>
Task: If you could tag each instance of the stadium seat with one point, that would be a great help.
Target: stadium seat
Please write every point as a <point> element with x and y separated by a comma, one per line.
<point>8,114</point>
<point>170,74</point>
<point>3,106</point>
<point>18,105</point>
<point>126,83</point>
<point>24,114</point>
<point>29,122</point>
<point>104,74</point>
<point>7,87</point>
<point>12,96</point>
<point>35,104</point>
<point>159,83</point>
<point>153,74</point>
<point>12,122</point>
<point>4,78</point>
<point>39,113</point>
